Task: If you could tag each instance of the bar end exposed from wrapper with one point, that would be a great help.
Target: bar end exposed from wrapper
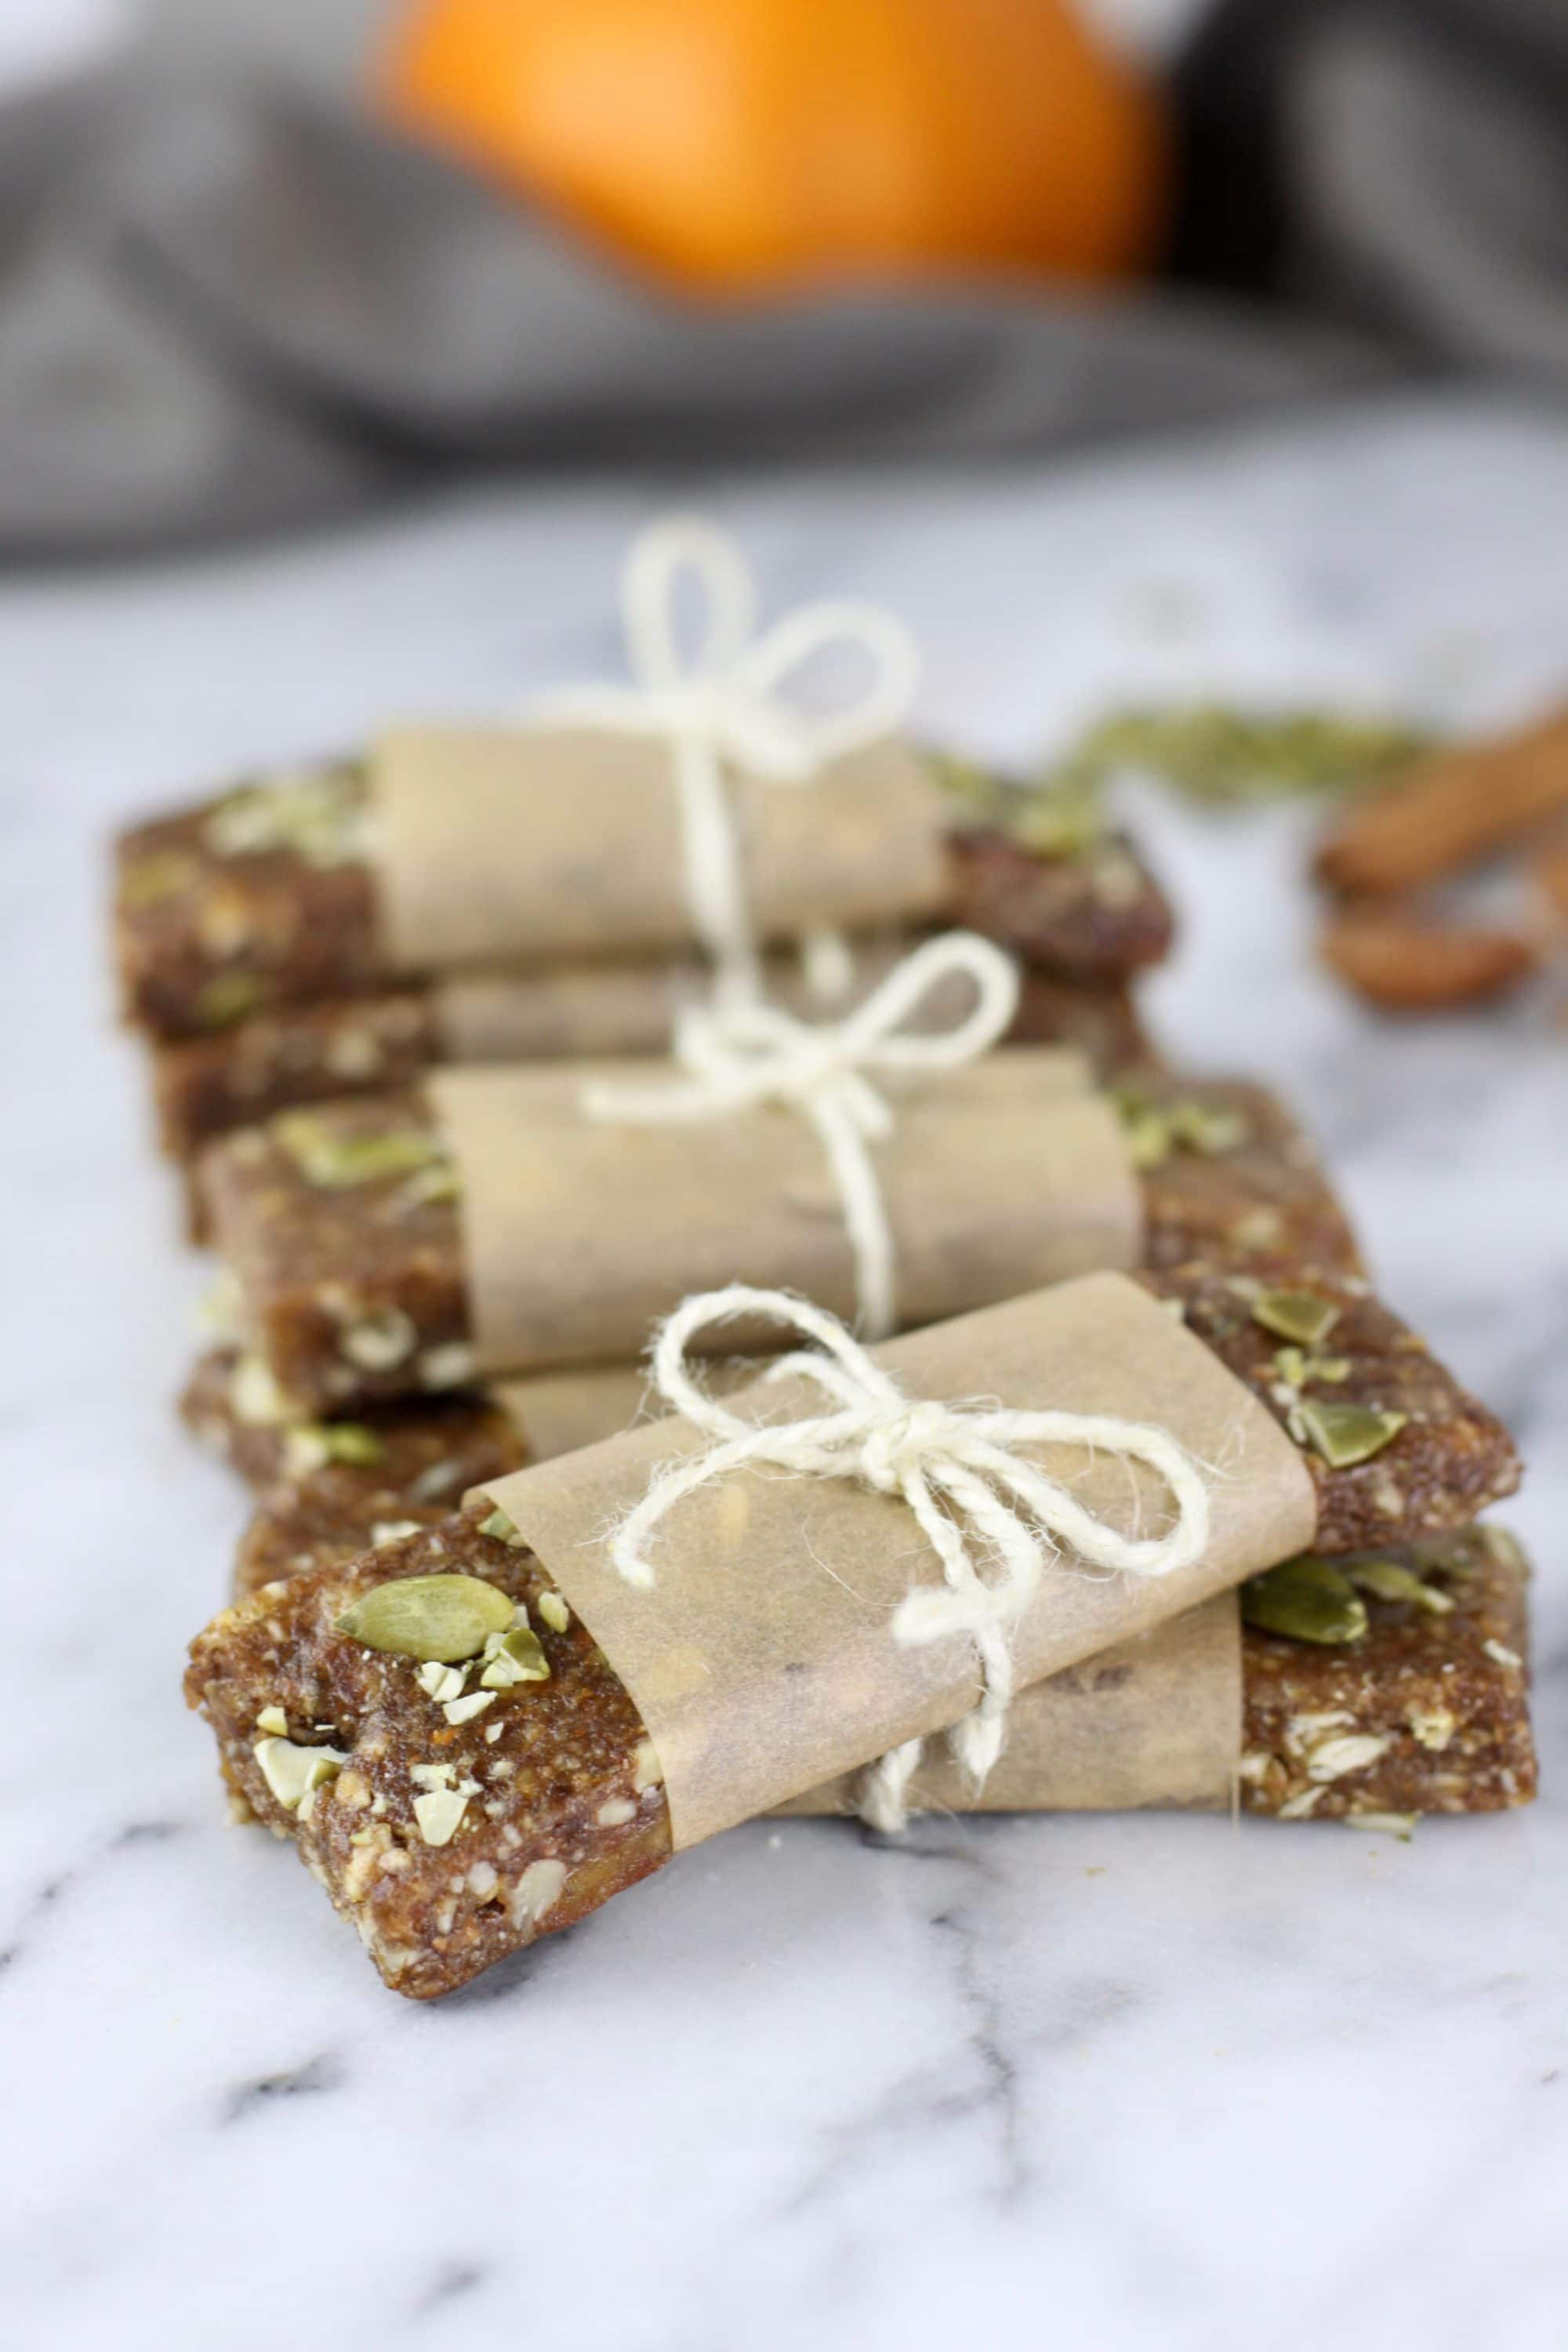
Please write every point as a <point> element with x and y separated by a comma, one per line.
<point>496,844</point>
<point>762,1663</point>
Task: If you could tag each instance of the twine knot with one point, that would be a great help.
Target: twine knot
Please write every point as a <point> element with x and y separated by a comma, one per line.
<point>725,706</point>
<point>961,1471</point>
<point>737,1056</point>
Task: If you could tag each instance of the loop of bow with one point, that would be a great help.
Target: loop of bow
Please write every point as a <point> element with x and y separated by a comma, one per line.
<point>738,1057</point>
<point>726,706</point>
<point>960,1469</point>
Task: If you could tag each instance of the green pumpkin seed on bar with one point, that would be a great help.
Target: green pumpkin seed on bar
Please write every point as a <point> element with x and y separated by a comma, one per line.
<point>1298,1314</point>
<point>1344,1435</point>
<point>335,1163</point>
<point>1208,1132</point>
<point>1307,1598</point>
<point>435,1618</point>
<point>517,1656</point>
<point>164,874</point>
<point>231,997</point>
<point>503,1529</point>
<point>1386,1579</point>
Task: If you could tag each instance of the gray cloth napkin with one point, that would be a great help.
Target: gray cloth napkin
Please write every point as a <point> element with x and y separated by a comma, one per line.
<point>226,310</point>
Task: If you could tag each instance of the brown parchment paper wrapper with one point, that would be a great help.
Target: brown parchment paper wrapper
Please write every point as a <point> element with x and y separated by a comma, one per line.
<point>558,1411</point>
<point>578,1236</point>
<point>587,1011</point>
<point>763,1663</point>
<point>1155,1720</point>
<point>498,844</point>
<point>1152,1721</point>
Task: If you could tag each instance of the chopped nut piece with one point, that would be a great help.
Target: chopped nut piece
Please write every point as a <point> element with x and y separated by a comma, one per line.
<point>553,1610</point>
<point>1348,1752</point>
<point>292,1772</point>
<point>463,1710</point>
<point>274,1722</point>
<point>380,1342</point>
<point>310,1444</point>
<point>255,1396</point>
<point>439,1814</point>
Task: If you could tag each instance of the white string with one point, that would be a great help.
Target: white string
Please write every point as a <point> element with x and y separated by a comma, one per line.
<point>726,706</point>
<point>747,1053</point>
<point>958,1468</point>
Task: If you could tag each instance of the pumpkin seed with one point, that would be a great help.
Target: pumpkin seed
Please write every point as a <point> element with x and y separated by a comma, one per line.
<point>1208,1132</point>
<point>1344,1434</point>
<point>227,999</point>
<point>437,1618</point>
<point>1298,1314</point>
<point>336,1162</point>
<point>1307,1598</point>
<point>503,1529</point>
<point>162,876</point>
<point>1387,1581</point>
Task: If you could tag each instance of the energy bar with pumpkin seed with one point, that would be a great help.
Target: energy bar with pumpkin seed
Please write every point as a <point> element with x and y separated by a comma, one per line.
<point>268,896</point>
<point>1389,1681</point>
<point>431,1450</point>
<point>342,1232</point>
<point>205,1087</point>
<point>457,1811</point>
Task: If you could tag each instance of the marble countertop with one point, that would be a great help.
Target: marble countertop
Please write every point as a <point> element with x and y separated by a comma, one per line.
<point>1121,2082</point>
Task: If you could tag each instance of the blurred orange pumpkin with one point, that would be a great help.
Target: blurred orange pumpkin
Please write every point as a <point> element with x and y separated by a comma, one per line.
<point>751,143</point>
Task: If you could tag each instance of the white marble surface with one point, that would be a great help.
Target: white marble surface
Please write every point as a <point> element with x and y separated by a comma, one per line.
<point>1124,2082</point>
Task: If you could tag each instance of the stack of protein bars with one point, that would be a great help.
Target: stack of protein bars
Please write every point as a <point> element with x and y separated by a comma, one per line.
<point>466,1786</point>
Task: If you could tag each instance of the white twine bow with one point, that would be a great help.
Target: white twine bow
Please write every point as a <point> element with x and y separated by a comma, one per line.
<point>725,706</point>
<point>958,1468</point>
<point>738,1057</point>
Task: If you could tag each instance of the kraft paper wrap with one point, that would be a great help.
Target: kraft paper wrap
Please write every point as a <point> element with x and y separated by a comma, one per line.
<point>497,843</point>
<point>763,1663</point>
<point>578,1236</point>
<point>556,1412</point>
<point>1152,1721</point>
<point>583,1010</point>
